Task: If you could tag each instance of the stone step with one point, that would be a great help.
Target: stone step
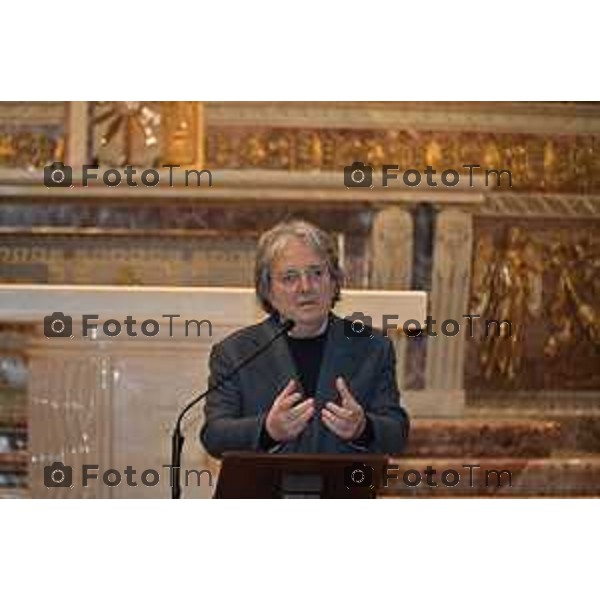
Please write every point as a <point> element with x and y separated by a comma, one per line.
<point>483,437</point>
<point>579,429</point>
<point>557,457</point>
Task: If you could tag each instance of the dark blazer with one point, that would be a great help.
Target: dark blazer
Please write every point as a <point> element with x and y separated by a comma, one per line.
<point>235,413</point>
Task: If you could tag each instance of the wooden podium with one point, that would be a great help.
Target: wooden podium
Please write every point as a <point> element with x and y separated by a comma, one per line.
<point>264,475</point>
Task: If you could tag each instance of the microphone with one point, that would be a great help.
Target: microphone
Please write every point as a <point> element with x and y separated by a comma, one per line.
<point>177,439</point>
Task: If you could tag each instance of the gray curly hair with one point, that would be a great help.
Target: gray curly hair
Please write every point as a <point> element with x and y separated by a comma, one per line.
<point>272,242</point>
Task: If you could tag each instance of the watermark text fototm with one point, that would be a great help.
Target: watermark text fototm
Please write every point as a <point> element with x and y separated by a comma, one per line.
<point>60,175</point>
<point>361,475</point>
<point>359,175</point>
<point>59,325</point>
<point>59,475</point>
<point>359,324</point>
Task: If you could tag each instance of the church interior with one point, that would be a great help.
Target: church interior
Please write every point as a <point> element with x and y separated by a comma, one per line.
<point>518,241</point>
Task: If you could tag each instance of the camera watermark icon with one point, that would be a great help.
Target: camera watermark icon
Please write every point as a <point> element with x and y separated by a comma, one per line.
<point>359,475</point>
<point>360,325</point>
<point>59,475</point>
<point>58,174</point>
<point>360,175</point>
<point>59,325</point>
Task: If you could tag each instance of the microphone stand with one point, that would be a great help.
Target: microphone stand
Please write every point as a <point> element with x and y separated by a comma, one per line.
<point>177,439</point>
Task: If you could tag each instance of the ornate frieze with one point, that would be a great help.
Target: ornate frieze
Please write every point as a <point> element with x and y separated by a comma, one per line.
<point>547,163</point>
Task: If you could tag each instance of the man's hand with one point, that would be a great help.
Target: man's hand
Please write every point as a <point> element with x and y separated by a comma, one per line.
<point>286,421</point>
<point>347,421</point>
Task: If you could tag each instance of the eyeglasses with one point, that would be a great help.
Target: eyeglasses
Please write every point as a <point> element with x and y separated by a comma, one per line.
<point>291,278</point>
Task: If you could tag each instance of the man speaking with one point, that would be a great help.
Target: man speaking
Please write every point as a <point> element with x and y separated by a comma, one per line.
<point>317,389</point>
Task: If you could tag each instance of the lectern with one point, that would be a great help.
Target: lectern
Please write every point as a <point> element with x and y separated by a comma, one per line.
<point>264,475</point>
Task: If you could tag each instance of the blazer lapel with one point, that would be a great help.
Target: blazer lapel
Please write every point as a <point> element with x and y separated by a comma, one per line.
<point>277,361</point>
<point>341,359</point>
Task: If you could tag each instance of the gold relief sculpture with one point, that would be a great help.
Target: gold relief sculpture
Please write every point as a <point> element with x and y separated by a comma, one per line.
<point>573,166</point>
<point>391,145</point>
<point>58,153</point>
<point>469,151</point>
<point>406,152</point>
<point>182,133</point>
<point>549,156</point>
<point>517,163</point>
<point>450,152</point>
<point>6,149</point>
<point>560,174</point>
<point>29,149</point>
<point>491,156</point>
<point>594,164</point>
<point>375,151</point>
<point>584,161</point>
<point>315,152</point>
<point>255,151</point>
<point>538,162</point>
<point>348,147</point>
<point>574,313</point>
<point>549,288</point>
<point>485,254</point>
<point>278,149</point>
<point>433,154</point>
<point>309,153</point>
<point>221,147</point>
<point>330,149</point>
<point>550,177</point>
<point>508,291</point>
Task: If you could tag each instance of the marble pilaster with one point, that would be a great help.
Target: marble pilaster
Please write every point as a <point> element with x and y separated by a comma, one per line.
<point>449,301</point>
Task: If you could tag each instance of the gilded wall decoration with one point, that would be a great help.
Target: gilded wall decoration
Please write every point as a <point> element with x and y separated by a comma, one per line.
<point>30,147</point>
<point>547,163</point>
<point>125,133</point>
<point>148,133</point>
<point>507,287</point>
<point>182,133</point>
<point>574,310</point>
<point>543,279</point>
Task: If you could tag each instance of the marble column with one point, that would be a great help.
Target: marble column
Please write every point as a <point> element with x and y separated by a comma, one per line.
<point>391,249</point>
<point>391,265</point>
<point>76,149</point>
<point>449,301</point>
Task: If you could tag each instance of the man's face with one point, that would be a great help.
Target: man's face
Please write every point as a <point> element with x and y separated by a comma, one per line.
<point>301,286</point>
